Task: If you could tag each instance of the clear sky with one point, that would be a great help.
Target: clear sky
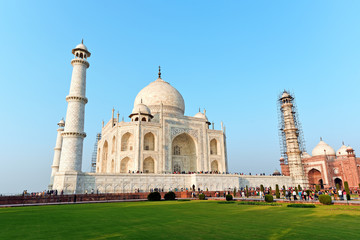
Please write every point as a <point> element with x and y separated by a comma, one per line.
<point>231,57</point>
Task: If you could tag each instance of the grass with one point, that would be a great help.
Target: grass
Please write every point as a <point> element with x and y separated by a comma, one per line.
<point>178,220</point>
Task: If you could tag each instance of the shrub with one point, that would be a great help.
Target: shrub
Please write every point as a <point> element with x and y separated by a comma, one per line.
<point>308,192</point>
<point>261,188</point>
<point>277,193</point>
<point>346,185</point>
<point>229,197</point>
<point>269,198</point>
<point>325,199</point>
<point>299,205</point>
<point>154,196</point>
<point>183,200</point>
<point>170,196</point>
<point>317,187</point>
<point>299,187</point>
<point>247,191</point>
<point>337,187</point>
<point>201,196</point>
<point>260,203</point>
<point>296,190</point>
<point>234,191</point>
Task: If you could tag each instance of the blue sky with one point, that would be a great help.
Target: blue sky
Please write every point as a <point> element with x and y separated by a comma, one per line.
<point>231,57</point>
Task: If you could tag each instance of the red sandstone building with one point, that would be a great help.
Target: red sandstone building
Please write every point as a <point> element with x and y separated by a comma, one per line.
<point>327,168</point>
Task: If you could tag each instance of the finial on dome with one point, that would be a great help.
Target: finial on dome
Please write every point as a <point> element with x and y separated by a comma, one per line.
<point>343,143</point>
<point>320,138</point>
<point>159,72</point>
<point>199,110</point>
<point>82,41</point>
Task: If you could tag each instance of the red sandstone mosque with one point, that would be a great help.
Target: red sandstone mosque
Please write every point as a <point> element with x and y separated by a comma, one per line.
<point>325,167</point>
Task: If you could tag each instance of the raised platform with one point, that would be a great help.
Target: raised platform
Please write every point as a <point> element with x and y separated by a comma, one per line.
<point>125,183</point>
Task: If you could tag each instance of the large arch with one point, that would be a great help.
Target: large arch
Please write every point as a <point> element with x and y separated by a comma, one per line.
<point>183,152</point>
<point>213,147</point>
<point>149,142</point>
<point>314,177</point>
<point>127,142</point>
<point>105,153</point>
<point>149,165</point>
<point>214,166</point>
<point>125,165</point>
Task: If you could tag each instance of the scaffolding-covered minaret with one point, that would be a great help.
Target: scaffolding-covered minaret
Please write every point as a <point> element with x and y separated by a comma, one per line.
<point>94,154</point>
<point>291,138</point>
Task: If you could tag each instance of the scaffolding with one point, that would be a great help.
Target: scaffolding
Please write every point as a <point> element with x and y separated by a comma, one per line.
<point>94,154</point>
<point>299,131</point>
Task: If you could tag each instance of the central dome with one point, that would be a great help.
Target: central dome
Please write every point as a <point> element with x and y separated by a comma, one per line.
<point>159,92</point>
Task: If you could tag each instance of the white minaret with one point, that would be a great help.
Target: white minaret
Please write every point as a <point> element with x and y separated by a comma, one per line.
<point>73,135</point>
<point>57,152</point>
<point>292,144</point>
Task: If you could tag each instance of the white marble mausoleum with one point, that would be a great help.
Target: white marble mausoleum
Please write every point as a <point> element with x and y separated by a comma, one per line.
<point>158,147</point>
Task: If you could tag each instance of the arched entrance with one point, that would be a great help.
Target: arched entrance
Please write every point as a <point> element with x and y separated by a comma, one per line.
<point>125,165</point>
<point>214,166</point>
<point>338,181</point>
<point>183,151</point>
<point>314,177</point>
<point>148,165</point>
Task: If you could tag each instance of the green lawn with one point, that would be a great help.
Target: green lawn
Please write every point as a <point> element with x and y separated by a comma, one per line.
<point>179,220</point>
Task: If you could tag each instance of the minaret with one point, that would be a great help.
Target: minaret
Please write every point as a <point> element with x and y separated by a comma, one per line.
<point>73,135</point>
<point>292,144</point>
<point>57,152</point>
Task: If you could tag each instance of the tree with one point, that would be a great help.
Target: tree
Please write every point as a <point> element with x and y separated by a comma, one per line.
<point>261,188</point>
<point>346,185</point>
<point>337,187</point>
<point>247,191</point>
<point>296,190</point>
<point>299,188</point>
<point>234,191</point>
<point>284,190</point>
<point>277,193</point>
<point>317,187</point>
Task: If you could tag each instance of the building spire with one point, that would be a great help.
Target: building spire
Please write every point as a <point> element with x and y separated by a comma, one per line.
<point>82,41</point>
<point>159,72</point>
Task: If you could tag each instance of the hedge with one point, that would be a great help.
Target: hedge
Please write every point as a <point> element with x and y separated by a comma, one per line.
<point>299,205</point>
<point>201,196</point>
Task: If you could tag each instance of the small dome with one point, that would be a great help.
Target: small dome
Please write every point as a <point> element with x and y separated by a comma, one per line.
<point>285,94</point>
<point>323,149</point>
<point>349,148</point>
<point>61,123</point>
<point>81,46</point>
<point>142,108</point>
<point>342,151</point>
<point>305,155</point>
<point>276,173</point>
<point>201,115</point>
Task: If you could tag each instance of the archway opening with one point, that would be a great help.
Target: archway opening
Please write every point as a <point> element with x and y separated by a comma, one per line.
<point>184,157</point>
<point>149,165</point>
<point>213,147</point>
<point>149,142</point>
<point>127,142</point>
<point>125,165</point>
<point>104,157</point>
<point>214,166</point>
<point>338,181</point>
<point>314,176</point>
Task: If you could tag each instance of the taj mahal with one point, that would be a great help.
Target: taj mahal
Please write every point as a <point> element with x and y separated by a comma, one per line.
<point>158,147</point>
